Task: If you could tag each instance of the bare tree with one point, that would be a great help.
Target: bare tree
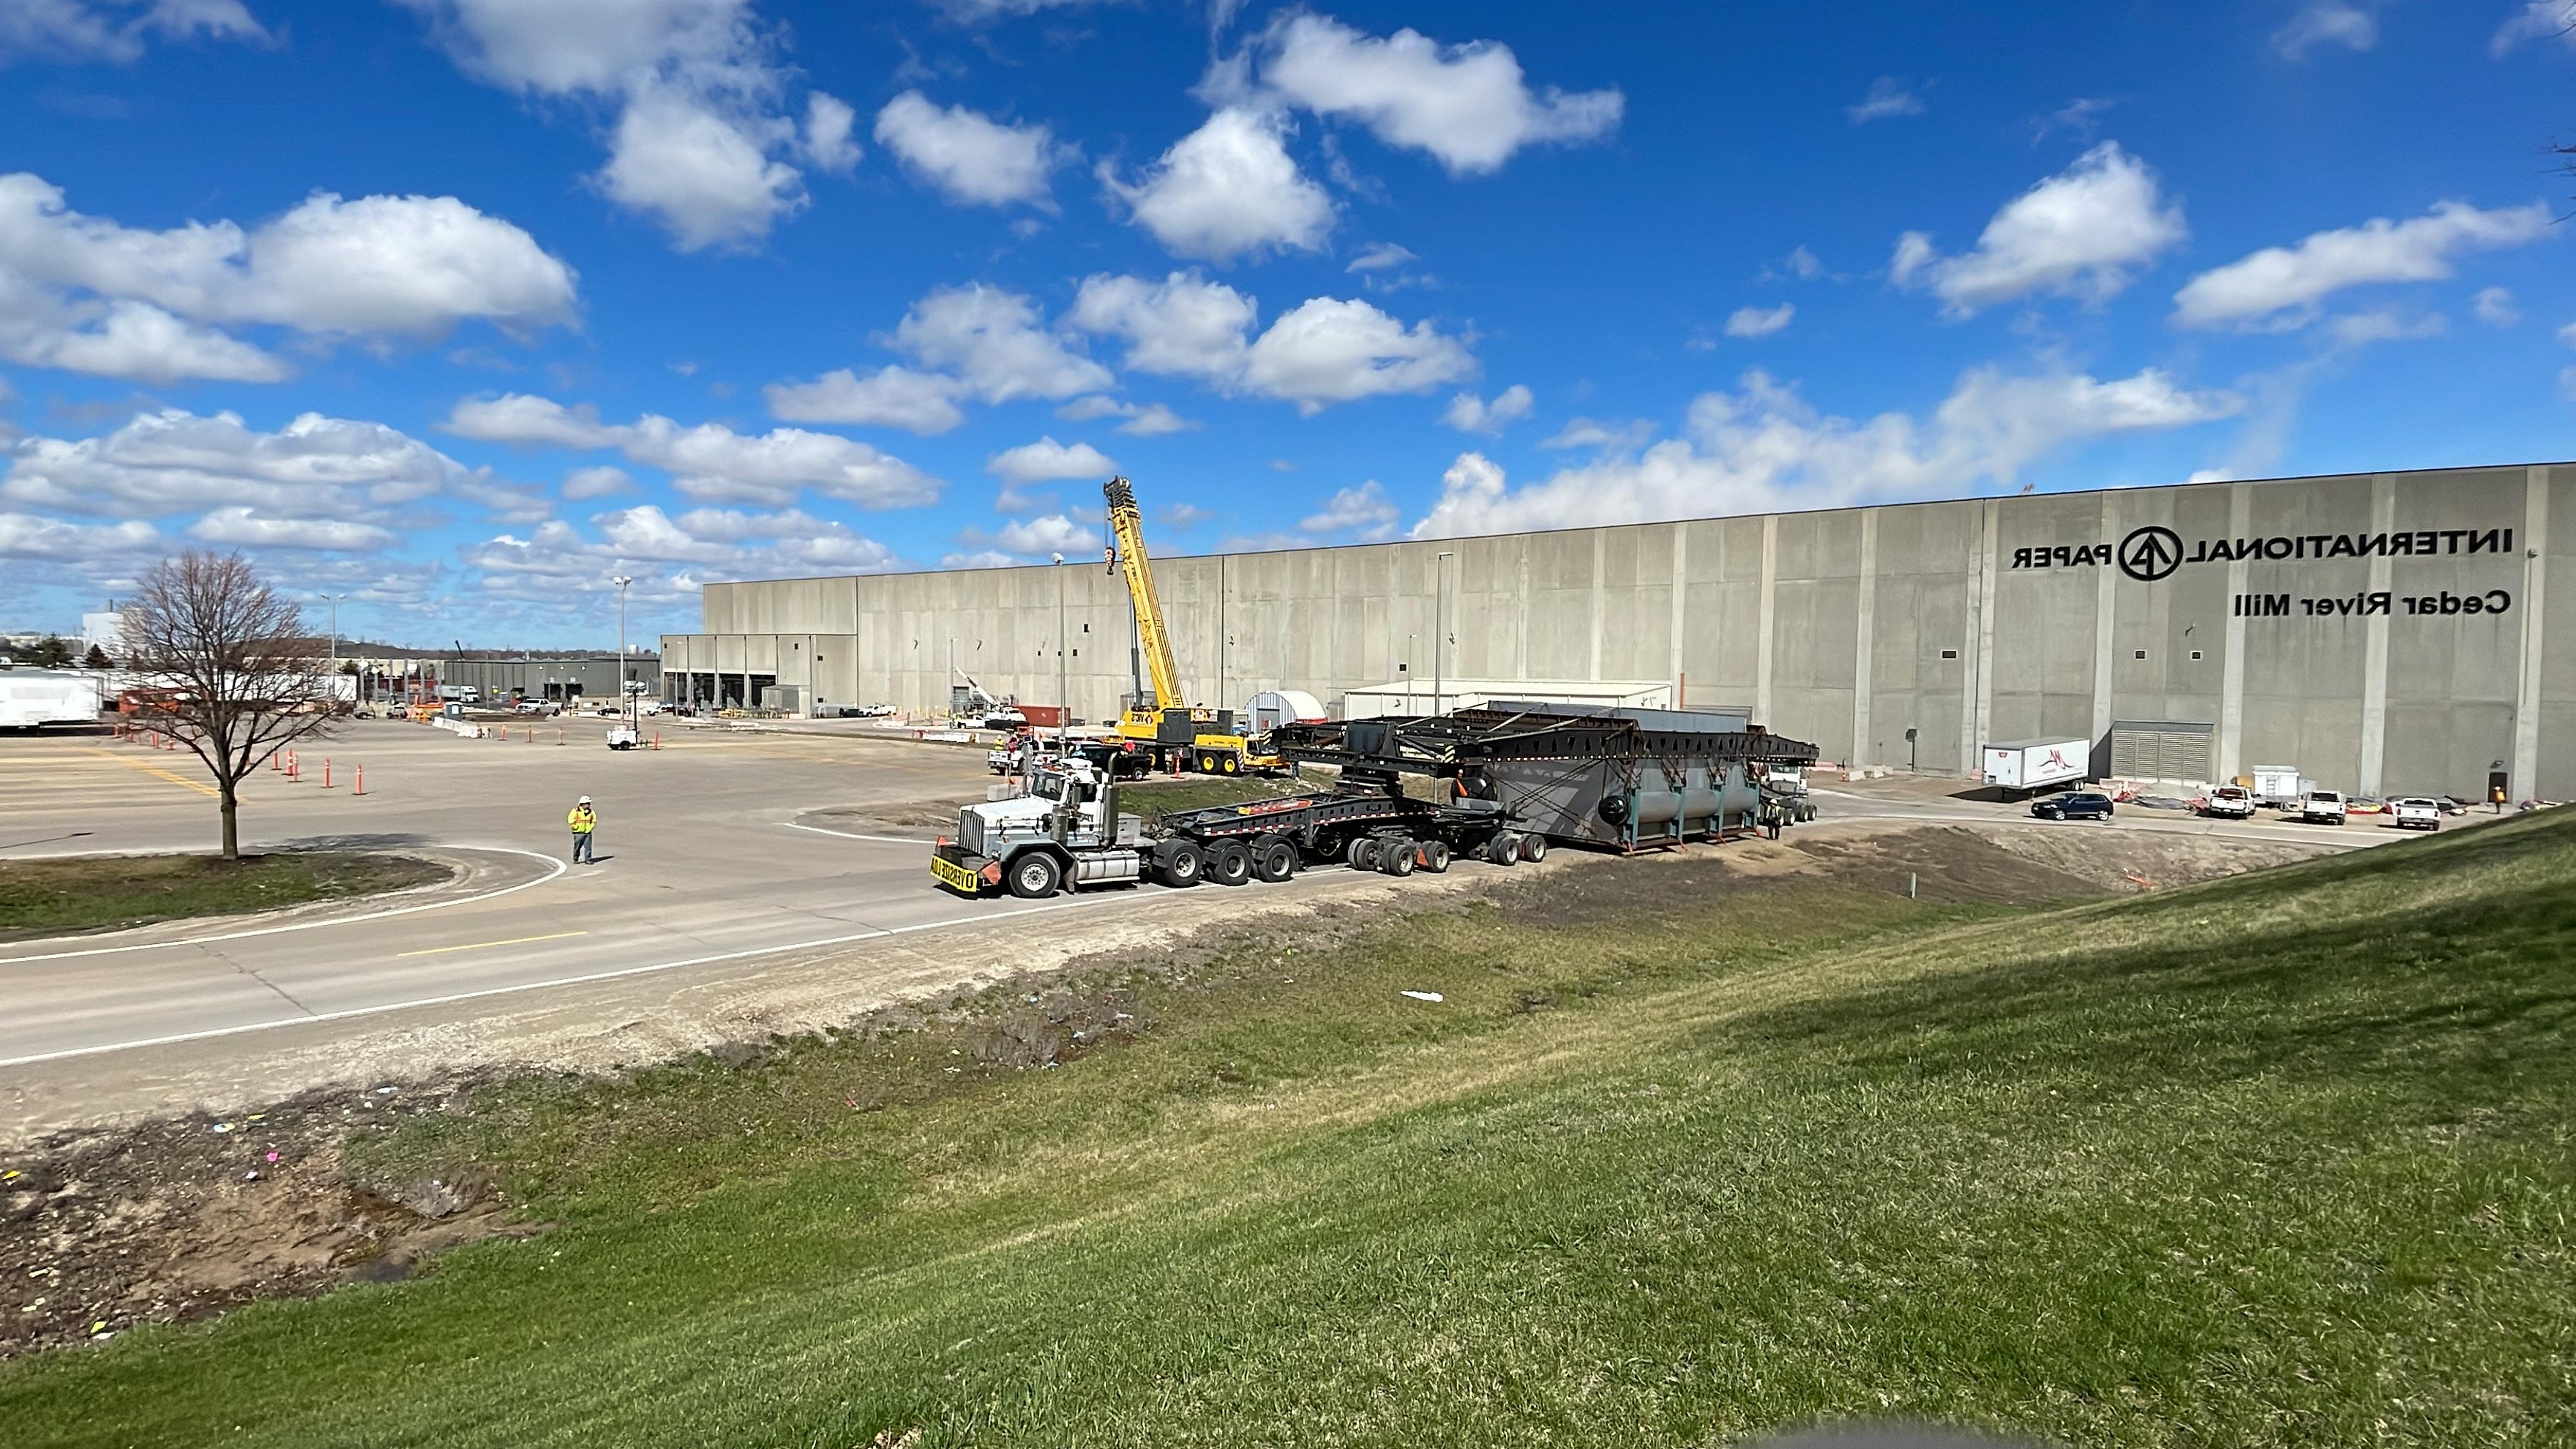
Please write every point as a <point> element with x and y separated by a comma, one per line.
<point>229,663</point>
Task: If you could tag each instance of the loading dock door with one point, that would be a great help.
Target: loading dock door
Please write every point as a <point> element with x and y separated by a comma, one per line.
<point>2161,750</point>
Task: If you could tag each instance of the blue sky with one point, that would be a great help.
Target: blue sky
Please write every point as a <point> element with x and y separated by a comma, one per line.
<point>462,307</point>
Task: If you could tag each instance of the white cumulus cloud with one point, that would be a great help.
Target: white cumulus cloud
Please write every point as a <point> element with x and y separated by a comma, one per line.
<point>827,144</point>
<point>1886,100</point>
<point>2494,306</point>
<point>1759,321</point>
<point>174,461</point>
<point>2537,20</point>
<point>1047,460</point>
<point>1227,190</point>
<point>703,123</point>
<point>115,30</point>
<point>2085,232</point>
<point>599,482</point>
<point>239,527</point>
<point>709,461</point>
<point>890,397</point>
<point>1323,352</point>
<point>1328,351</point>
<point>1763,447</point>
<point>1183,325</point>
<point>1469,106</point>
<point>88,294</point>
<point>991,340</point>
<point>2326,22</point>
<point>37,538</point>
<point>1365,513</point>
<point>2281,287</point>
<point>969,157</point>
<point>1469,413</point>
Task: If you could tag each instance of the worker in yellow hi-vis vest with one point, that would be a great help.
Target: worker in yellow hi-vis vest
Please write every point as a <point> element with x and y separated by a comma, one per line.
<point>583,820</point>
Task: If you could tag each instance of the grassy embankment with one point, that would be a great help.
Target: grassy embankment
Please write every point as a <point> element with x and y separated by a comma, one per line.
<point>2281,1160</point>
<point>110,892</point>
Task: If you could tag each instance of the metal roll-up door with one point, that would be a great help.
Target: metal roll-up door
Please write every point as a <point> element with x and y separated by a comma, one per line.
<point>2132,755</point>
<point>2182,756</point>
<point>2177,750</point>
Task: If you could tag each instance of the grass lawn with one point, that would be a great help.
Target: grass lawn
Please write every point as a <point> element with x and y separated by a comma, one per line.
<point>2282,1160</point>
<point>107,892</point>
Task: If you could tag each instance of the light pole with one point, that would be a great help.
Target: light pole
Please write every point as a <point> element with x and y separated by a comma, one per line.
<point>1439,627</point>
<point>335,643</point>
<point>1063,696</point>
<point>626,696</point>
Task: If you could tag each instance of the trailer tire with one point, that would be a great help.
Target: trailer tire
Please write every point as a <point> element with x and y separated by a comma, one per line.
<point>1035,876</point>
<point>1228,863</point>
<point>1435,856</point>
<point>1533,848</point>
<point>1273,860</point>
<point>1180,865</point>
<point>1504,848</point>
<point>1362,853</point>
<point>1395,857</point>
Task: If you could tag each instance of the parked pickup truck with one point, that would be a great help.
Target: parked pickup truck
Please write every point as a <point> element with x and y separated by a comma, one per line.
<point>2414,812</point>
<point>2228,802</point>
<point>2321,807</point>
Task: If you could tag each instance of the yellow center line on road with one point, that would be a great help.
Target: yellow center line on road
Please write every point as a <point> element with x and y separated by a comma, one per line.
<point>482,945</point>
<point>153,770</point>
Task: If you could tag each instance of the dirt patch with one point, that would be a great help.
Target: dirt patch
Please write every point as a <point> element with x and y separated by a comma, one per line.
<point>186,1217</point>
<point>2140,860</point>
<point>1935,863</point>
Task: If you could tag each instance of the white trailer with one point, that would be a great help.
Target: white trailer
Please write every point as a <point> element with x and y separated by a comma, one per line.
<point>2037,764</point>
<point>31,699</point>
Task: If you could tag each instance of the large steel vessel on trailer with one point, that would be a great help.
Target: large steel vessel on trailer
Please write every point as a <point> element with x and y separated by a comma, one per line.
<point>1625,778</point>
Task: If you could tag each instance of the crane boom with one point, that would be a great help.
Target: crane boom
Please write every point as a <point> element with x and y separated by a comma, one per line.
<point>1127,525</point>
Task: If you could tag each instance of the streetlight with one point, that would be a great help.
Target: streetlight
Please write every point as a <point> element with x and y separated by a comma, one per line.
<point>335,641</point>
<point>1439,626</point>
<point>623,693</point>
<point>1063,694</point>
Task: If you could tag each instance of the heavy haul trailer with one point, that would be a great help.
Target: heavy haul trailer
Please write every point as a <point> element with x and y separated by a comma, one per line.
<point>1067,831</point>
<point>1626,779</point>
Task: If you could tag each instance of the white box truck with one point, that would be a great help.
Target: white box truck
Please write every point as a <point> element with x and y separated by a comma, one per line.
<point>31,699</point>
<point>2028,765</point>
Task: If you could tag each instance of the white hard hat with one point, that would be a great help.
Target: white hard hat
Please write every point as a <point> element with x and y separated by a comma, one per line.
<point>584,800</point>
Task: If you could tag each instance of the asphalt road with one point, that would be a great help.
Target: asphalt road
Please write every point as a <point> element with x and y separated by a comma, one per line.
<point>701,863</point>
<point>697,862</point>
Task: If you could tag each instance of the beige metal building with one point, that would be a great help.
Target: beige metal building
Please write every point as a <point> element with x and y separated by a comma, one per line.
<point>2384,633</point>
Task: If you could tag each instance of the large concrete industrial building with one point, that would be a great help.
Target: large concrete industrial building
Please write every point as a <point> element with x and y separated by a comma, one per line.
<point>2383,633</point>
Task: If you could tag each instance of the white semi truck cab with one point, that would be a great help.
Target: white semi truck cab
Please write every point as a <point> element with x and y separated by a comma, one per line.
<point>1065,831</point>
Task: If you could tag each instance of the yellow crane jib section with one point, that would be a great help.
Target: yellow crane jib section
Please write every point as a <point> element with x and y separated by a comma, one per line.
<point>1127,525</point>
<point>1174,730</point>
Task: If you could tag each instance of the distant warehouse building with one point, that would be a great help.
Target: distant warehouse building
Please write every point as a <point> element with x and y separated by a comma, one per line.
<point>2383,633</point>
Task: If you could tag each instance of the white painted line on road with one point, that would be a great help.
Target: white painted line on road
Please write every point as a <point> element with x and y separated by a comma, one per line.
<point>582,980</point>
<point>559,868</point>
<point>846,835</point>
<point>488,945</point>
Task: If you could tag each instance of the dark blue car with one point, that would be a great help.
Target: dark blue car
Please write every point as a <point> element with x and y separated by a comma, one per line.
<point>2078,805</point>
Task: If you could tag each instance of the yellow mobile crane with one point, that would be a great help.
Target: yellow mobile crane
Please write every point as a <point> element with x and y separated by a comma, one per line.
<point>1166,732</point>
